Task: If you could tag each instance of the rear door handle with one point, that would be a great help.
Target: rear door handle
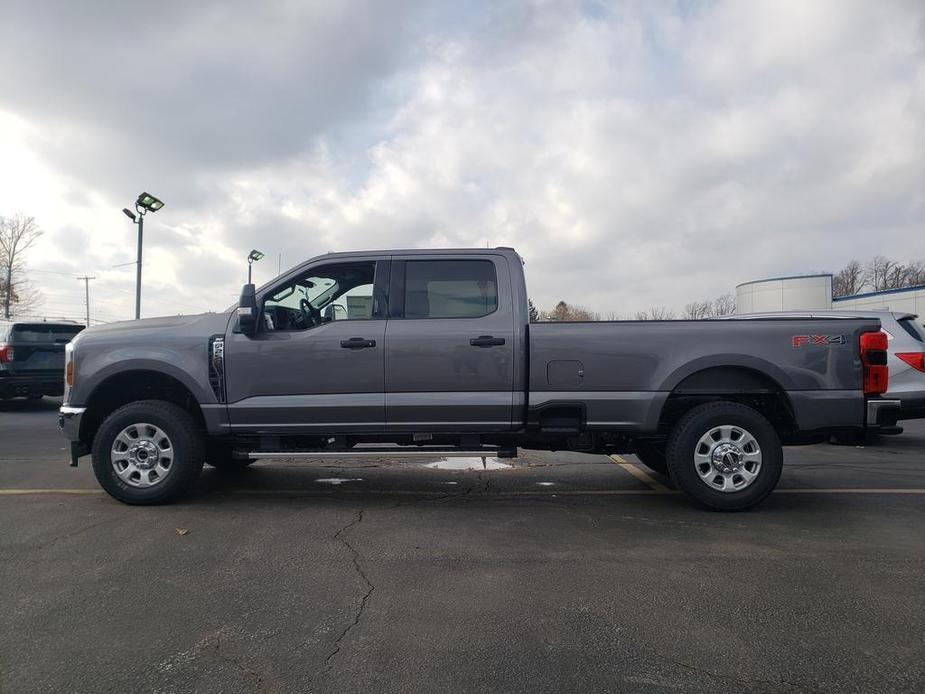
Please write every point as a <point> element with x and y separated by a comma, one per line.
<point>486,341</point>
<point>357,343</point>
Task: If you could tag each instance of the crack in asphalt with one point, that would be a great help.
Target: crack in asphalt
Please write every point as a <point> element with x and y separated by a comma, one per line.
<point>355,558</point>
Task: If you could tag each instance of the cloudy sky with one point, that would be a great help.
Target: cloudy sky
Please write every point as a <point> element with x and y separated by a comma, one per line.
<point>640,153</point>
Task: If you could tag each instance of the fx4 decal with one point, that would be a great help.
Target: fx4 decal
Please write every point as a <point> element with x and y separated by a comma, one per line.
<point>800,340</point>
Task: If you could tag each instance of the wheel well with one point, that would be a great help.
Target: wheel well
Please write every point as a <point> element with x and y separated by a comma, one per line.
<point>131,386</point>
<point>734,384</point>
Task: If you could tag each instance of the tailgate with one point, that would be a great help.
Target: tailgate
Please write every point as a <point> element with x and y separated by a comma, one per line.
<point>35,359</point>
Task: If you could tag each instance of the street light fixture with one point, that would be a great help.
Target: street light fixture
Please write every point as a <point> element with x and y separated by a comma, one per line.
<point>252,258</point>
<point>149,202</point>
<point>144,204</point>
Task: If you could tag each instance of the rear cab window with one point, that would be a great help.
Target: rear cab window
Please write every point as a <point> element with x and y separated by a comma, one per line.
<point>450,288</point>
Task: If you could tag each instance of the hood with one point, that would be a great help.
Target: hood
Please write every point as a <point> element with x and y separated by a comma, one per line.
<point>205,324</point>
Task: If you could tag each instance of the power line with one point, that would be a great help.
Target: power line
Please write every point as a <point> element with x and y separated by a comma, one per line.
<point>53,272</point>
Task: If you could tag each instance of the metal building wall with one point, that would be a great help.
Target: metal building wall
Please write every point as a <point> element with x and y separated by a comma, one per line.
<point>785,294</point>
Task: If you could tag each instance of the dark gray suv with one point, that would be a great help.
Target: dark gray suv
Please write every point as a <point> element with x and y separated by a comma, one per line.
<point>32,357</point>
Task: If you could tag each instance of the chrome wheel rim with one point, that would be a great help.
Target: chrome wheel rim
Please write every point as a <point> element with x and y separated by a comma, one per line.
<point>727,458</point>
<point>142,455</point>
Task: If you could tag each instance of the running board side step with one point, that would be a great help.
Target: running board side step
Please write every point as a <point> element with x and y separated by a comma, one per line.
<point>391,452</point>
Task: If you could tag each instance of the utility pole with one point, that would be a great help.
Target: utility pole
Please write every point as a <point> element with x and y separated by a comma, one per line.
<point>86,280</point>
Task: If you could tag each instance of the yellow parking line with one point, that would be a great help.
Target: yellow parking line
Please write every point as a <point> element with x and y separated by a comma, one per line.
<point>660,490</point>
<point>849,490</point>
<point>20,492</point>
<point>640,474</point>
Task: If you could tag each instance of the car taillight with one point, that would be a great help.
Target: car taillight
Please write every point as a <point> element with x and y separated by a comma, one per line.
<point>914,359</point>
<point>6,353</point>
<point>873,358</point>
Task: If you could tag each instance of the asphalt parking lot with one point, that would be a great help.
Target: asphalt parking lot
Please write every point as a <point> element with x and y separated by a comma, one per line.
<point>563,572</point>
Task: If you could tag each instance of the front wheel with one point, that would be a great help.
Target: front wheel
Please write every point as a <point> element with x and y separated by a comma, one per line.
<point>147,452</point>
<point>725,456</point>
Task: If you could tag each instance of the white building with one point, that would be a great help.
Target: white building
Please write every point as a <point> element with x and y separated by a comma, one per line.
<point>815,292</point>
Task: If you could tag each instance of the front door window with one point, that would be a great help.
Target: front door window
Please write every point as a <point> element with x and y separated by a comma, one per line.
<point>341,291</point>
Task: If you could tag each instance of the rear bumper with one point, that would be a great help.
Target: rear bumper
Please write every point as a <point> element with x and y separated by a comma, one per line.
<point>882,414</point>
<point>25,385</point>
<point>69,422</point>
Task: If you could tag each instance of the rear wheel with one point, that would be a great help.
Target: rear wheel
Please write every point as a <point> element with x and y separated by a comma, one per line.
<point>147,452</point>
<point>725,456</point>
<point>652,455</point>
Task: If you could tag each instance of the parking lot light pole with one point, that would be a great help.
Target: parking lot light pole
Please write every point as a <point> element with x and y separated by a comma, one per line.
<point>145,203</point>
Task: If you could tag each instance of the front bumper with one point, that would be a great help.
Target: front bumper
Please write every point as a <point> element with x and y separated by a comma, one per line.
<point>69,423</point>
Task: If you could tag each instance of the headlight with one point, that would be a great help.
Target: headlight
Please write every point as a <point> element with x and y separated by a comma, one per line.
<point>68,370</point>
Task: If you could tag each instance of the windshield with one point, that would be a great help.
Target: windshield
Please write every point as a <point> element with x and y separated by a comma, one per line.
<point>316,290</point>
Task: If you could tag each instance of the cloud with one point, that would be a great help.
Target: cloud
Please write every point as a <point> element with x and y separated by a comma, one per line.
<point>635,153</point>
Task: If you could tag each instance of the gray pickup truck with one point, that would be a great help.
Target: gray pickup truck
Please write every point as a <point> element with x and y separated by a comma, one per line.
<point>432,353</point>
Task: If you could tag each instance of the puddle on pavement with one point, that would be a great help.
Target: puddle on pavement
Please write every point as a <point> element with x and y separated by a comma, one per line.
<point>468,464</point>
<point>338,480</point>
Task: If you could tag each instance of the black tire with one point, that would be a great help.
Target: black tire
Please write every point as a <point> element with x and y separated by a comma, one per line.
<point>686,437</point>
<point>186,441</point>
<point>35,396</point>
<point>219,456</point>
<point>652,455</point>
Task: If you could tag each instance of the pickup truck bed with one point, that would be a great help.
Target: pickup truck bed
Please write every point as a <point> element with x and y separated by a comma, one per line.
<point>623,372</point>
<point>434,348</point>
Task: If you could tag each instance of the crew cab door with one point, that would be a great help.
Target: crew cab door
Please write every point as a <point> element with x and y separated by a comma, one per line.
<point>316,363</point>
<point>450,344</point>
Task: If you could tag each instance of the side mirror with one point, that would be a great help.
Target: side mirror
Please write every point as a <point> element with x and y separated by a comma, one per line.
<point>247,311</point>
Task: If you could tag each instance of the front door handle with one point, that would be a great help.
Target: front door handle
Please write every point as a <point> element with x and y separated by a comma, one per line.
<point>486,341</point>
<point>357,343</point>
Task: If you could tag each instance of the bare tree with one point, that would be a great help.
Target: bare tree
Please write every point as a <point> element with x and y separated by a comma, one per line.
<point>849,280</point>
<point>655,313</point>
<point>532,312</point>
<point>17,235</point>
<point>915,273</point>
<point>564,313</point>
<point>882,273</point>
<point>697,310</point>
<point>724,305</point>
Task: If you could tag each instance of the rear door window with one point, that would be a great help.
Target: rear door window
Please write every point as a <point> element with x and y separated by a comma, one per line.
<point>450,288</point>
<point>913,328</point>
<point>45,333</point>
